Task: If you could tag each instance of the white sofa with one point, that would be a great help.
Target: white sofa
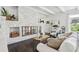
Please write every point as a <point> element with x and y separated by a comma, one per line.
<point>68,45</point>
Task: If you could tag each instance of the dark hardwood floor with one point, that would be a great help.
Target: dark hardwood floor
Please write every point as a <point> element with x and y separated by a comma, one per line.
<point>24,46</point>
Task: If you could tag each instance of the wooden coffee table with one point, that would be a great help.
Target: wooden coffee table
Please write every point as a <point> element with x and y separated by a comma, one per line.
<point>42,38</point>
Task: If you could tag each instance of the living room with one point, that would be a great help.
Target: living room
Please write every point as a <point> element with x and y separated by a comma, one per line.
<point>29,28</point>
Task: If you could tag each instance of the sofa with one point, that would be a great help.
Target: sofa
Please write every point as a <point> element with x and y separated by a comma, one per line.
<point>69,44</point>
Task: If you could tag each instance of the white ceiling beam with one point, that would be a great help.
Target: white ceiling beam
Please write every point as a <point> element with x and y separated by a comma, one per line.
<point>72,16</point>
<point>62,9</point>
<point>48,10</point>
<point>39,11</point>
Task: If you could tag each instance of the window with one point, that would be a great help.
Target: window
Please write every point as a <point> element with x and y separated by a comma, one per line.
<point>75,25</point>
<point>29,30</point>
<point>25,30</point>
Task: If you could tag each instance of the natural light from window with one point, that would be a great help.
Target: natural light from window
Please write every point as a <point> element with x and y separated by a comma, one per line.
<point>74,22</point>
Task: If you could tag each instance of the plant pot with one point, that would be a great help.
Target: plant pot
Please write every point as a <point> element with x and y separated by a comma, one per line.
<point>8,17</point>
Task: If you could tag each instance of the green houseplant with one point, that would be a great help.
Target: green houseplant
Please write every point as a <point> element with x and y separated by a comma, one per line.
<point>4,12</point>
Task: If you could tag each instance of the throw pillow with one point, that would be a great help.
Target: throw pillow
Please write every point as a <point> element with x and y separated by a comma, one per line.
<point>55,42</point>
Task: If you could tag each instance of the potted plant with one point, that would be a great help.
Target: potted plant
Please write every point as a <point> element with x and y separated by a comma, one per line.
<point>4,12</point>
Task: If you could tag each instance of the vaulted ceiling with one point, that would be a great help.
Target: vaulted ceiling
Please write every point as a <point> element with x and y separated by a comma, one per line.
<point>53,10</point>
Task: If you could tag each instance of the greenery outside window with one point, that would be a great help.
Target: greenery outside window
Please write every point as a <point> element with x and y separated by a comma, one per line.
<point>75,25</point>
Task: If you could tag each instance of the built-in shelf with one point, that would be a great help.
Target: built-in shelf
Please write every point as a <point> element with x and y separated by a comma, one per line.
<point>14,32</point>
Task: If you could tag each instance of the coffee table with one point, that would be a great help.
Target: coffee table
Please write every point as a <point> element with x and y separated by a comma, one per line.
<point>41,38</point>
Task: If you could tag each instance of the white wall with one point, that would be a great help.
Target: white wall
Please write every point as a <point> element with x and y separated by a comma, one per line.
<point>3,41</point>
<point>29,16</point>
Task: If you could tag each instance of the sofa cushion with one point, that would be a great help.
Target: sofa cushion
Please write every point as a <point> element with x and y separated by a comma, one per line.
<point>55,42</point>
<point>69,45</point>
<point>67,34</point>
<point>74,34</point>
<point>44,48</point>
